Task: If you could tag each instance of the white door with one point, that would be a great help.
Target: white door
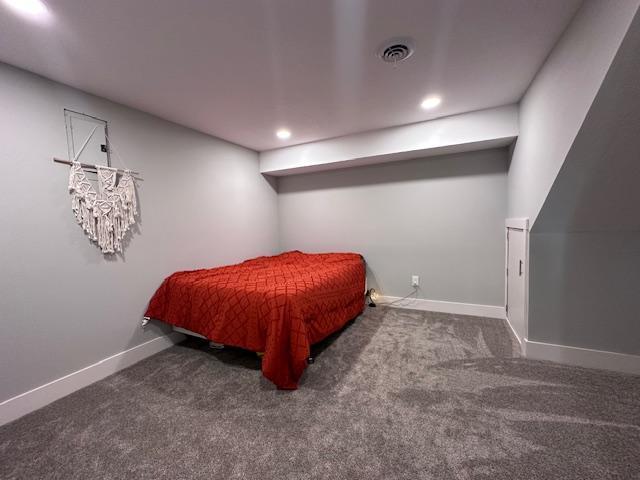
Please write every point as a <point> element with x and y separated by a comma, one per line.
<point>516,263</point>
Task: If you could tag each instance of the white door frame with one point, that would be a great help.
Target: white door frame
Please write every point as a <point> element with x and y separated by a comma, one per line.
<point>518,224</point>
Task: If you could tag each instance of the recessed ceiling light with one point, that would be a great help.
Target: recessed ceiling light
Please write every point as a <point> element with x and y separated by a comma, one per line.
<point>35,9</point>
<point>431,102</point>
<point>283,134</point>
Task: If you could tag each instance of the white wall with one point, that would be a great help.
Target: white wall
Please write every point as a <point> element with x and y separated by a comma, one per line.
<point>63,305</point>
<point>556,103</point>
<point>574,174</point>
<point>441,218</point>
<point>585,244</point>
<point>466,132</point>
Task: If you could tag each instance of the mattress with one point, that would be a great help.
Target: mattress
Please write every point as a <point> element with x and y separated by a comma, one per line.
<point>279,305</point>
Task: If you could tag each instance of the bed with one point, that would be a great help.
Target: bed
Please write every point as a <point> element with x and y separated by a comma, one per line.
<point>279,305</point>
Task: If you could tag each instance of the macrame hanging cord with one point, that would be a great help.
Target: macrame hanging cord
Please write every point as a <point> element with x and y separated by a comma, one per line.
<point>105,215</point>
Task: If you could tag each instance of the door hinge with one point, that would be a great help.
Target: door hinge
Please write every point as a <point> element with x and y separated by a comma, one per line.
<point>506,308</point>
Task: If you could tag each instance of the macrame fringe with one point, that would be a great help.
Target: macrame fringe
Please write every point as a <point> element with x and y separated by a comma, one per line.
<point>107,215</point>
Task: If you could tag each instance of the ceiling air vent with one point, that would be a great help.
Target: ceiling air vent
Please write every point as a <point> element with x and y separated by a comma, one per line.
<point>396,49</point>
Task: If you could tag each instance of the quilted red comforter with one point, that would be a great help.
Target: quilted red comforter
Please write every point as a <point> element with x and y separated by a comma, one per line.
<point>278,305</point>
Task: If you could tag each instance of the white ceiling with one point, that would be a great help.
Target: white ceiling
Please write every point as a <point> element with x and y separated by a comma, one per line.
<point>239,69</point>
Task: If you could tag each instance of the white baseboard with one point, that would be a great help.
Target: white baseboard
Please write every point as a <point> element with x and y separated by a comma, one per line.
<point>582,357</point>
<point>491,311</point>
<point>27,402</point>
<point>515,334</point>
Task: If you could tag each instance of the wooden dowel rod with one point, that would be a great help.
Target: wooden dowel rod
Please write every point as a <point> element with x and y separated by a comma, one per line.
<point>87,165</point>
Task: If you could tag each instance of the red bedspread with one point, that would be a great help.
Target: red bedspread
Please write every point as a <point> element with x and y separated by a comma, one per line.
<point>278,305</point>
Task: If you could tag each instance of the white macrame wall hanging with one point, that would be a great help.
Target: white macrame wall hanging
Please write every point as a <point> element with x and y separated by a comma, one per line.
<point>105,213</point>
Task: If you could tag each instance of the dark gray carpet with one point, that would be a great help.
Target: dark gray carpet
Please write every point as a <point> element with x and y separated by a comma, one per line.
<point>398,394</point>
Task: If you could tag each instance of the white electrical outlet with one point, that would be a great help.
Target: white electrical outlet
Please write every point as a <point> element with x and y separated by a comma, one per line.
<point>415,280</point>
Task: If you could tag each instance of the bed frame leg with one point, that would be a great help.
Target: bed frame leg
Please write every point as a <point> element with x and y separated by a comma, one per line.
<point>310,360</point>
<point>216,345</point>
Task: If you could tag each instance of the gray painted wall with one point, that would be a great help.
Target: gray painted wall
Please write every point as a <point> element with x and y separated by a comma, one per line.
<point>596,189</point>
<point>585,245</point>
<point>441,218</point>
<point>558,99</point>
<point>63,305</point>
<point>585,290</point>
